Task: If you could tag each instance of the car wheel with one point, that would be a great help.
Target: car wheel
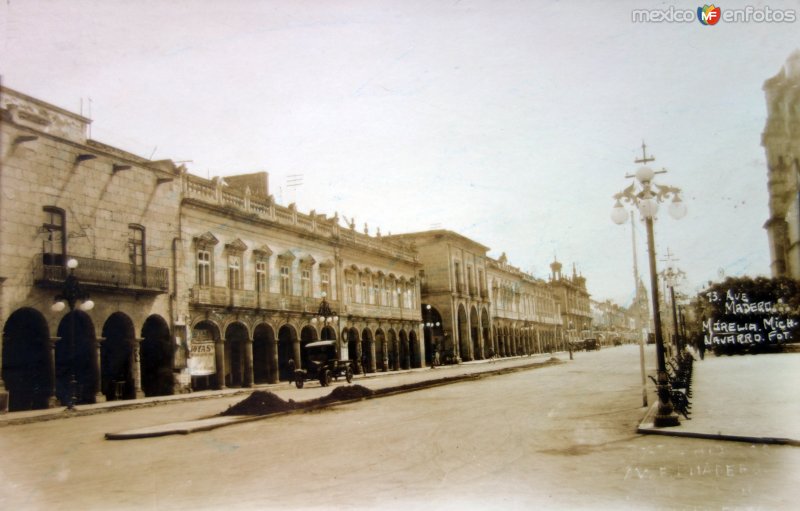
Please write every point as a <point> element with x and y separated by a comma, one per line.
<point>299,382</point>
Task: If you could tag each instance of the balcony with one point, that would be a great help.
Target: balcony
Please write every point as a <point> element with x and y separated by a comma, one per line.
<point>103,275</point>
<point>219,296</point>
<point>381,311</point>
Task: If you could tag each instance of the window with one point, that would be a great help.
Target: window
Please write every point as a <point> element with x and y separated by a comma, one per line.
<point>481,283</point>
<point>235,271</point>
<point>457,269</point>
<point>305,282</point>
<point>136,252</point>
<point>351,289</point>
<point>204,245</point>
<point>54,244</point>
<point>364,297</point>
<point>261,276</point>
<point>376,294</point>
<point>286,282</point>
<point>325,283</point>
<point>203,267</point>
<point>470,280</point>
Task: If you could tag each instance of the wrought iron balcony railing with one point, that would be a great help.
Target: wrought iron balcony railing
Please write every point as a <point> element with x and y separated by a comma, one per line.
<point>105,275</point>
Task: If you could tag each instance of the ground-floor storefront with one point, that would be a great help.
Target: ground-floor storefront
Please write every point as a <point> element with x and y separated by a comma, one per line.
<point>78,357</point>
<point>242,349</point>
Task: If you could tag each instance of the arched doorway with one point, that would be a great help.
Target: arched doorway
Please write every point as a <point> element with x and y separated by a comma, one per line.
<point>27,369</point>
<point>413,350</point>
<point>463,334</point>
<point>353,347</point>
<point>286,339</point>
<point>404,356</point>
<point>433,334</point>
<point>157,354</point>
<point>236,339</point>
<point>264,370</point>
<point>367,351</point>
<point>116,358</point>
<point>382,356</point>
<point>76,356</point>
<point>477,352</point>
<point>393,351</point>
<point>307,334</point>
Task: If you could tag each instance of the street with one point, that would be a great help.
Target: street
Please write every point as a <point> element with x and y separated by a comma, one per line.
<point>557,437</point>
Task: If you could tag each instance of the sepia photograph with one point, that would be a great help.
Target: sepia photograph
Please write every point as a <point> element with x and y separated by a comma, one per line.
<point>399,255</point>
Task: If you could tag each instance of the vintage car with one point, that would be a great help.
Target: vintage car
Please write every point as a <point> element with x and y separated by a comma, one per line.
<point>321,363</point>
<point>591,344</point>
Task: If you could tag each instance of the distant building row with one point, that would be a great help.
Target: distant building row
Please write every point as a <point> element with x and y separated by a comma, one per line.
<point>201,283</point>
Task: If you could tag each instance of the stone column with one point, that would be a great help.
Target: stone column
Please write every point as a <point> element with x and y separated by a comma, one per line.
<point>137,368</point>
<point>372,364</point>
<point>219,356</point>
<point>247,377</point>
<point>52,400</point>
<point>274,372</point>
<point>298,360</point>
<point>358,358</point>
<point>481,349</point>
<point>97,364</point>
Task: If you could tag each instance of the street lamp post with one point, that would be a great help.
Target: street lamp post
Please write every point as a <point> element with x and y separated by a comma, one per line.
<point>646,200</point>
<point>326,317</point>
<point>71,293</point>
<point>671,278</point>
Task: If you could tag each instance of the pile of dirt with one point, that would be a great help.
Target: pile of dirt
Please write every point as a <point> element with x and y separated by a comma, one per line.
<point>260,403</point>
<point>344,393</point>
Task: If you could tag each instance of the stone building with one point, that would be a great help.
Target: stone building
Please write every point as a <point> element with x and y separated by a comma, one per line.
<point>573,300</point>
<point>67,199</point>
<point>525,315</point>
<point>781,141</point>
<point>613,323</point>
<point>453,279</point>
<point>253,276</point>
<point>195,283</point>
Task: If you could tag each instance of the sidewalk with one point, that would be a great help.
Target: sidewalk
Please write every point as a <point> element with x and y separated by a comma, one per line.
<point>285,390</point>
<point>749,398</point>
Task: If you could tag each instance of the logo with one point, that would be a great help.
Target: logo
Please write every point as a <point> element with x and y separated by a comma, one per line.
<point>709,15</point>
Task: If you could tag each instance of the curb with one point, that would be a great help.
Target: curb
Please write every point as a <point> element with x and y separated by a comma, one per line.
<point>215,422</point>
<point>646,427</point>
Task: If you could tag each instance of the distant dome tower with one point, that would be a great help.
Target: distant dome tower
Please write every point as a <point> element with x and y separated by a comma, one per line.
<point>555,267</point>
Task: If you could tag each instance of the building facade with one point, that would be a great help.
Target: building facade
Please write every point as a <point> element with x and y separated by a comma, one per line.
<point>66,197</point>
<point>526,318</point>
<point>454,284</point>
<point>781,141</point>
<point>573,300</point>
<point>253,277</point>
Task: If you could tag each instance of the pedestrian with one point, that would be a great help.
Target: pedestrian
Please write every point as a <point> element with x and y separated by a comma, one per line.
<point>290,369</point>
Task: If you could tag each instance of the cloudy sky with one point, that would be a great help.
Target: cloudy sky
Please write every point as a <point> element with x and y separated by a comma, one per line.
<point>511,122</point>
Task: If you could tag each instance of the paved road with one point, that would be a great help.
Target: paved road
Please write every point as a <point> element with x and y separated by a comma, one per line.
<point>560,437</point>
